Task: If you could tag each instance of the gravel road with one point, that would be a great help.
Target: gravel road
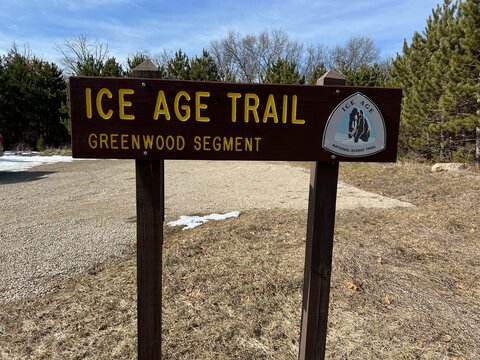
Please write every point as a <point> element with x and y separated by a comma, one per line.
<point>63,218</point>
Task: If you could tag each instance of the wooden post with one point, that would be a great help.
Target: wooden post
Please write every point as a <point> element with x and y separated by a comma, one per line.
<point>150,215</point>
<point>319,248</point>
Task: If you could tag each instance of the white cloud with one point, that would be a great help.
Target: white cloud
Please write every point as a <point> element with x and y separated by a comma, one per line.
<point>130,26</point>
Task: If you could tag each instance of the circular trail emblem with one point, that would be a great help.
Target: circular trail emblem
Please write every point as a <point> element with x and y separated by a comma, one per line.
<point>355,128</point>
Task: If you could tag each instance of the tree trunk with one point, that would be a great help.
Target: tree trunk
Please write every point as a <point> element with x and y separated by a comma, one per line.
<point>477,151</point>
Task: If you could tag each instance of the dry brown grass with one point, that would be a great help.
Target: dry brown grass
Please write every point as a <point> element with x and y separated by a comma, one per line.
<point>405,284</point>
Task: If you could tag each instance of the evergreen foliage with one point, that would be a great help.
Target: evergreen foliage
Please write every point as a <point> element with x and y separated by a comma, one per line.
<point>439,72</point>
<point>283,71</point>
<point>440,76</point>
<point>367,75</point>
<point>32,98</point>
<point>178,68</point>
<point>136,59</point>
<point>112,68</point>
<point>81,57</point>
<point>94,67</point>
<point>203,68</point>
<point>318,71</point>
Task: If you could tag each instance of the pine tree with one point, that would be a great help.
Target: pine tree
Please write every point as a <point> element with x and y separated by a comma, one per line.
<point>203,68</point>
<point>411,68</point>
<point>50,97</point>
<point>366,75</point>
<point>136,59</point>
<point>90,67</point>
<point>460,100</point>
<point>318,71</point>
<point>178,68</point>
<point>112,68</point>
<point>32,93</point>
<point>14,80</point>
<point>283,71</point>
<point>439,75</point>
<point>440,42</point>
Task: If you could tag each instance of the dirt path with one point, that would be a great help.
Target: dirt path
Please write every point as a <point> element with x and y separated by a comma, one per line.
<point>207,186</point>
<point>63,218</point>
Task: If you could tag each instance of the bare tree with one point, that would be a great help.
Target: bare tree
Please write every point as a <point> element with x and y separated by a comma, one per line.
<point>81,57</point>
<point>246,58</point>
<point>226,54</point>
<point>313,62</point>
<point>162,58</point>
<point>357,50</point>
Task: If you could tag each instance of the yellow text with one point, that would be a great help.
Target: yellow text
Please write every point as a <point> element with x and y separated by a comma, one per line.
<point>136,142</point>
<point>181,106</point>
<point>255,110</point>
<point>101,107</point>
<point>227,143</point>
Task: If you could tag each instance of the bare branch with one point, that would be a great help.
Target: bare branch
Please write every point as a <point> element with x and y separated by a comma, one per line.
<point>356,51</point>
<point>77,52</point>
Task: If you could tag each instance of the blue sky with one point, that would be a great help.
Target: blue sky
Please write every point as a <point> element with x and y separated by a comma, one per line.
<point>128,26</point>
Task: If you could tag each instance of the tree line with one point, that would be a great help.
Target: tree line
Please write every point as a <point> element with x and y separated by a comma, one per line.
<point>269,57</point>
<point>33,94</point>
<point>438,71</point>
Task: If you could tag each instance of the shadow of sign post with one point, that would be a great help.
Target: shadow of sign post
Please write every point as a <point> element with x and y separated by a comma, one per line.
<point>148,119</point>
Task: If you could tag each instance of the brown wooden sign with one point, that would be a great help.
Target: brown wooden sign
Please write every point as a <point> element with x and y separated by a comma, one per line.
<point>150,120</point>
<point>133,118</point>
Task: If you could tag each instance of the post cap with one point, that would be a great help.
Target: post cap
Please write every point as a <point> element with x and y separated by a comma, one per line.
<point>146,65</point>
<point>147,69</point>
<point>331,77</point>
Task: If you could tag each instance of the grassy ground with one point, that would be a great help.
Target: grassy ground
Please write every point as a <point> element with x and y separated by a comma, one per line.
<point>405,284</point>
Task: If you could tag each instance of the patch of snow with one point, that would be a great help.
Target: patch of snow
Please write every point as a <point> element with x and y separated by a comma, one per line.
<point>190,222</point>
<point>15,162</point>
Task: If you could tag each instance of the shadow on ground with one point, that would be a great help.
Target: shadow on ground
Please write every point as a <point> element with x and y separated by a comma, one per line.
<point>22,176</point>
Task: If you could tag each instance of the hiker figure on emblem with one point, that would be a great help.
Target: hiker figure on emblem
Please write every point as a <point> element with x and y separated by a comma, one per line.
<point>358,126</point>
<point>355,128</point>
